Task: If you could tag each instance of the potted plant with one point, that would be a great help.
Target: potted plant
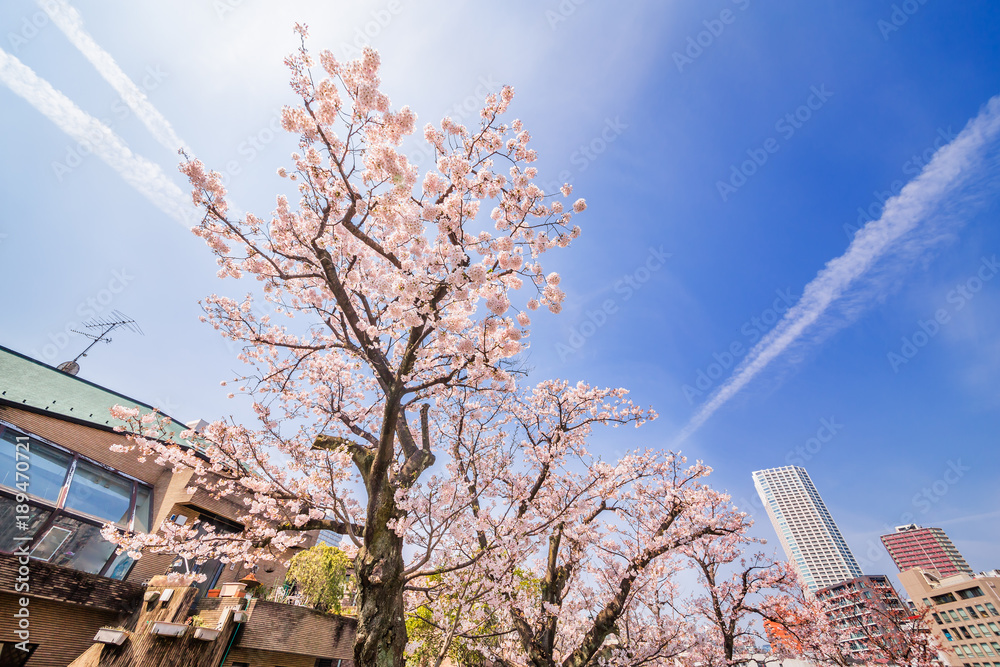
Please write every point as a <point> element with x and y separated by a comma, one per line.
<point>167,629</point>
<point>116,635</point>
<point>201,631</point>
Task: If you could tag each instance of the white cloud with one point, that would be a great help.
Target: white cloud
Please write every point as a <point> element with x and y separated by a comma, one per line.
<point>71,23</point>
<point>143,175</point>
<point>898,231</point>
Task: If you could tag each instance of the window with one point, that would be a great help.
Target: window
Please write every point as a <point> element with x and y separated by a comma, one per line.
<point>974,630</point>
<point>961,612</point>
<point>965,633</point>
<point>943,599</point>
<point>993,610</point>
<point>986,633</point>
<point>947,635</point>
<point>972,612</point>
<point>11,656</point>
<point>995,629</point>
<point>954,616</point>
<point>70,498</point>
<point>978,651</point>
<point>986,647</point>
<point>937,619</point>
<point>969,593</point>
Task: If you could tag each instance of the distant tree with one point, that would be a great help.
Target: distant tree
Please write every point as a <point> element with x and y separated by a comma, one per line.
<point>320,575</point>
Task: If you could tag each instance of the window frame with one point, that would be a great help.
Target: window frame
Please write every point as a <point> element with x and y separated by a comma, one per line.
<point>59,509</point>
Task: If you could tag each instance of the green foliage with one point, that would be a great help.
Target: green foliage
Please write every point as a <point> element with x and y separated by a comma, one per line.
<point>320,574</point>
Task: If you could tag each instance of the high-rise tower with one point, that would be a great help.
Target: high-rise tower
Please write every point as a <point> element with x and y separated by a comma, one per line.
<point>811,539</point>
<point>912,546</point>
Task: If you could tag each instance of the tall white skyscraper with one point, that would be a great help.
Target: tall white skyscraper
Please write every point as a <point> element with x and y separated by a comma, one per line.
<point>808,534</point>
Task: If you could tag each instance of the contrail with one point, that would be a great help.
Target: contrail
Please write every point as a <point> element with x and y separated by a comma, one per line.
<point>949,167</point>
<point>71,23</point>
<point>140,173</point>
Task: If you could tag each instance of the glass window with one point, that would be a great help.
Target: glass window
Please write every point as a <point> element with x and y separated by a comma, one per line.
<point>143,500</point>
<point>986,647</point>
<point>974,630</point>
<point>959,651</point>
<point>978,651</point>
<point>996,647</point>
<point>947,635</point>
<point>995,629</point>
<point>936,618</point>
<point>986,633</point>
<point>100,493</point>
<point>954,616</point>
<point>972,612</point>
<point>9,528</point>
<point>965,633</point>
<point>961,612</point>
<point>75,544</point>
<point>46,468</point>
<point>120,566</point>
<point>993,610</point>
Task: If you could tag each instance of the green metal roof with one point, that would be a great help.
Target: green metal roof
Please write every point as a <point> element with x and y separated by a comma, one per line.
<point>26,381</point>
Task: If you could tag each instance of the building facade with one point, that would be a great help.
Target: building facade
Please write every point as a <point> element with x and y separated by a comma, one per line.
<point>808,534</point>
<point>927,548</point>
<point>965,614</point>
<point>869,614</point>
<point>59,484</point>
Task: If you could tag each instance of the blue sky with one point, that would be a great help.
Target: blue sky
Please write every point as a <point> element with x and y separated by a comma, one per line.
<point>826,108</point>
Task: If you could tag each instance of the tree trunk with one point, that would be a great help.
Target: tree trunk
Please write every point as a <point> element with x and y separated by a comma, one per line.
<point>381,639</point>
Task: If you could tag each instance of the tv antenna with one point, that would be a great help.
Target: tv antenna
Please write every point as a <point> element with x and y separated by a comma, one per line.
<point>105,324</point>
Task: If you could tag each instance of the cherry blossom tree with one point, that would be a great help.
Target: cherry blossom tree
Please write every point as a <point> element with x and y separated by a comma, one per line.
<point>385,274</point>
<point>741,591</point>
<point>574,556</point>
<point>859,628</point>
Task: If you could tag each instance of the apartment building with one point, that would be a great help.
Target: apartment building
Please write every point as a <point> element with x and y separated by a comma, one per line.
<point>965,613</point>
<point>927,548</point>
<point>811,539</point>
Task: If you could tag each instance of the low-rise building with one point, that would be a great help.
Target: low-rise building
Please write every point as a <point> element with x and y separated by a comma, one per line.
<point>965,610</point>
<point>60,483</point>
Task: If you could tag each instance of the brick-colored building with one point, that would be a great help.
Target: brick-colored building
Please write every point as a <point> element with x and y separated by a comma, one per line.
<point>867,609</point>
<point>927,548</point>
<point>60,483</point>
<point>965,611</point>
